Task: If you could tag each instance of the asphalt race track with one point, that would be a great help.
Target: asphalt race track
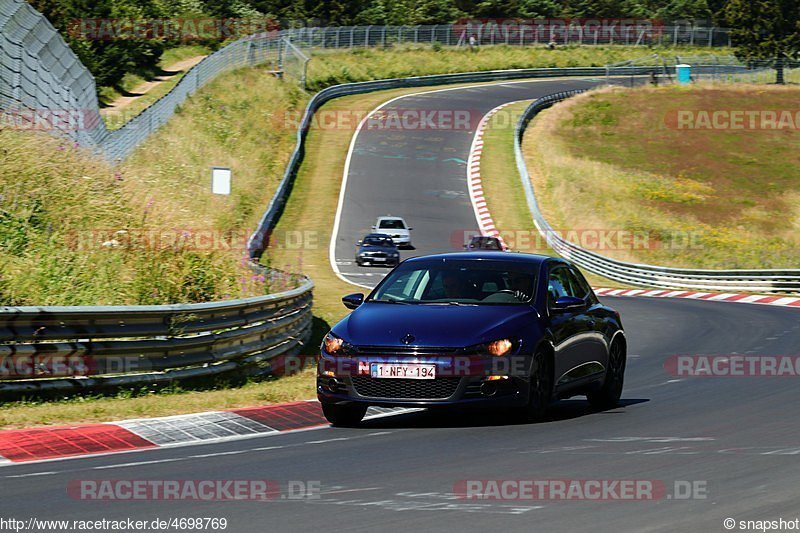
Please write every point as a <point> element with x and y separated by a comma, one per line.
<point>420,174</point>
<point>738,435</point>
<point>736,439</point>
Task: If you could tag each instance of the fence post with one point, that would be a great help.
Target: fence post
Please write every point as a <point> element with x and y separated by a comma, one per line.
<point>352,34</point>
<point>433,33</point>
<point>366,36</point>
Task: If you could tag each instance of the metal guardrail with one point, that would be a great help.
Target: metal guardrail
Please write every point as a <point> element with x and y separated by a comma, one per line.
<point>65,349</point>
<point>767,280</point>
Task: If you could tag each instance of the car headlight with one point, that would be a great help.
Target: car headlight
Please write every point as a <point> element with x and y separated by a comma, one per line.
<point>499,347</point>
<point>335,345</point>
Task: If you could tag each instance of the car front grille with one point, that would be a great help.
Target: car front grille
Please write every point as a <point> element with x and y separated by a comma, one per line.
<point>406,389</point>
<point>409,351</point>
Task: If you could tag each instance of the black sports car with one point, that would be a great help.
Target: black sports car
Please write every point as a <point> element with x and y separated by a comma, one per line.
<point>377,249</point>
<point>509,330</point>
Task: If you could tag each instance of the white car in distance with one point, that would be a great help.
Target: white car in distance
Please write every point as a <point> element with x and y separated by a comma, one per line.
<point>396,228</point>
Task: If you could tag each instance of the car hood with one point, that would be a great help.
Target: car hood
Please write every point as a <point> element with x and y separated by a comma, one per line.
<point>383,324</point>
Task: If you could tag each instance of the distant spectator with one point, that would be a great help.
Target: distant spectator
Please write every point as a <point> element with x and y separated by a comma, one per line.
<point>473,42</point>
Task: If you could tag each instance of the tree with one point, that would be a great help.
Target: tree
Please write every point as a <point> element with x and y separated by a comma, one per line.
<point>765,29</point>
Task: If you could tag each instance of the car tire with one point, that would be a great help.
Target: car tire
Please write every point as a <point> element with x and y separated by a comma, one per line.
<point>343,415</point>
<point>608,395</point>
<point>359,262</point>
<point>540,385</point>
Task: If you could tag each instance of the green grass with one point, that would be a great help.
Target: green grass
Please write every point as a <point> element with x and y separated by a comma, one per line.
<point>503,190</point>
<point>331,67</point>
<point>149,403</point>
<point>702,198</point>
<point>76,231</point>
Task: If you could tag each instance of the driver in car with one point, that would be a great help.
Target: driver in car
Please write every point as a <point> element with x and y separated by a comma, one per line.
<point>454,285</point>
<point>522,285</point>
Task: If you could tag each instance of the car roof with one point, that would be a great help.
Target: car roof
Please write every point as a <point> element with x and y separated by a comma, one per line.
<point>378,235</point>
<point>390,217</point>
<point>491,255</point>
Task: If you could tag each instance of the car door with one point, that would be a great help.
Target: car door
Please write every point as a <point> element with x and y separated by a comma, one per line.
<point>577,348</point>
<point>596,320</point>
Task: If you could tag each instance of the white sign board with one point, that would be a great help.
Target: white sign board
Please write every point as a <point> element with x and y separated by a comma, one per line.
<point>220,180</point>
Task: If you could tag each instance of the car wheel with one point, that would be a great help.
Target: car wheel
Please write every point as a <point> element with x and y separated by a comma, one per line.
<point>610,392</point>
<point>540,386</point>
<point>359,262</point>
<point>347,415</point>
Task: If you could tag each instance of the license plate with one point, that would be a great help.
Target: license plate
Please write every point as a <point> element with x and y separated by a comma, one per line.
<point>403,371</point>
<point>379,259</point>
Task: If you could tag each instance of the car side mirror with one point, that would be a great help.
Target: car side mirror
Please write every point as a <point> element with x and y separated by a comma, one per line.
<point>358,243</point>
<point>351,301</point>
<point>569,303</point>
<point>409,229</point>
<point>374,227</point>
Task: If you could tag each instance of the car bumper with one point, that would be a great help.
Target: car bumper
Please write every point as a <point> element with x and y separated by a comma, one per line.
<point>445,391</point>
<point>391,261</point>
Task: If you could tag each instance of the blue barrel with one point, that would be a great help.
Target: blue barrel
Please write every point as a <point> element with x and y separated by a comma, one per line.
<point>684,74</point>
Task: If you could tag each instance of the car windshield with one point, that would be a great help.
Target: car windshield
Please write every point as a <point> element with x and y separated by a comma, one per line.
<point>392,223</point>
<point>458,282</point>
<point>377,241</point>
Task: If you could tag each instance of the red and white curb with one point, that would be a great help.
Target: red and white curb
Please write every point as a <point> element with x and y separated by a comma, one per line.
<point>482,214</point>
<point>59,442</point>
<point>487,227</point>
<point>780,301</point>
